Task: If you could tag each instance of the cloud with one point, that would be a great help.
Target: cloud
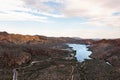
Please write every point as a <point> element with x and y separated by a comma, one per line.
<point>14,10</point>
<point>20,16</point>
<point>46,7</point>
<point>24,10</point>
<point>91,8</point>
<point>98,12</point>
<point>10,5</point>
<point>38,4</point>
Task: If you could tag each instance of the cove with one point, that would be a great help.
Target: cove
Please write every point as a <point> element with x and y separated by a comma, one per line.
<point>81,51</point>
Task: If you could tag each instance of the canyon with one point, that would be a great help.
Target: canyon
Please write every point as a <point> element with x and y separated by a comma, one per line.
<point>35,57</point>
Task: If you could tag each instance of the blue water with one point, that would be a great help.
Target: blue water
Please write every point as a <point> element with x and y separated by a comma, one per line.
<point>81,51</point>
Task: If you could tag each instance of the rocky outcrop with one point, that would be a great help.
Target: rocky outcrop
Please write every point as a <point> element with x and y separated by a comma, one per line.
<point>108,50</point>
<point>19,39</point>
<point>12,55</point>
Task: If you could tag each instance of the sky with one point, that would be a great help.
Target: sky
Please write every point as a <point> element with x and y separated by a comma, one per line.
<point>61,18</point>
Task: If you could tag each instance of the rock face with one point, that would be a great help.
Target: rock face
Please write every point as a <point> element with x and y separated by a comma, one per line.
<point>108,50</point>
<point>12,55</point>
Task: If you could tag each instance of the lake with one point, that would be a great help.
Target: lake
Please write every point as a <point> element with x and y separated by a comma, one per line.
<point>81,51</point>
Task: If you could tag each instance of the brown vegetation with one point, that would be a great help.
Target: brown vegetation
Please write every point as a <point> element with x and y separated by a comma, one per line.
<point>108,50</point>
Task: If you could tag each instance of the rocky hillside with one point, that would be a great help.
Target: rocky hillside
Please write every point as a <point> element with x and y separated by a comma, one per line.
<point>49,58</point>
<point>18,39</point>
<point>22,39</point>
<point>108,50</point>
<point>17,50</point>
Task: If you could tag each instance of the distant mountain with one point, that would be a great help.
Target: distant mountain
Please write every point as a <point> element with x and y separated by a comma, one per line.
<point>77,38</point>
<point>20,39</point>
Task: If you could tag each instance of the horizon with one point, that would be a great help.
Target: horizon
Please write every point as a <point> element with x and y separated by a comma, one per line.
<point>89,19</point>
<point>58,36</point>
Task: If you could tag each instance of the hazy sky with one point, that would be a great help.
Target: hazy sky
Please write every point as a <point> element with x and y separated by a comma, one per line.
<point>72,18</point>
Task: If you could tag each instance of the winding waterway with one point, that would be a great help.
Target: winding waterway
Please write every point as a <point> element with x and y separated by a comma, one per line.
<point>81,51</point>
